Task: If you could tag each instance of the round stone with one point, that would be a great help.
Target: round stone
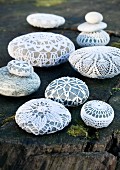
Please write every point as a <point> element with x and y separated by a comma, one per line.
<point>69,91</point>
<point>96,62</point>
<point>41,49</point>
<point>97,114</point>
<point>93,17</point>
<point>42,116</point>
<point>20,68</point>
<point>99,38</point>
<point>86,27</point>
<point>16,86</point>
<point>43,20</point>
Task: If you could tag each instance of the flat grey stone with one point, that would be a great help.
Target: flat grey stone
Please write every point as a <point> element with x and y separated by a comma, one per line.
<point>13,85</point>
<point>44,20</point>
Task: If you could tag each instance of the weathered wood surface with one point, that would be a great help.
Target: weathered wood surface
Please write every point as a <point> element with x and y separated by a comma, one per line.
<point>19,150</point>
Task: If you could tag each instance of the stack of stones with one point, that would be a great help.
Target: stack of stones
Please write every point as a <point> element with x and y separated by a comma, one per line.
<point>92,33</point>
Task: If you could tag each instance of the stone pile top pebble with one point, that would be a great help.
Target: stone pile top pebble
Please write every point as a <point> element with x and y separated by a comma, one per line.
<point>94,23</point>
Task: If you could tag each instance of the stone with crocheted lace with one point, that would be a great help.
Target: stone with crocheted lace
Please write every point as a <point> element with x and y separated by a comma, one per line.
<point>69,91</point>
<point>96,62</point>
<point>42,116</point>
<point>20,68</point>
<point>43,20</point>
<point>41,49</point>
<point>98,38</point>
<point>18,79</point>
<point>97,114</point>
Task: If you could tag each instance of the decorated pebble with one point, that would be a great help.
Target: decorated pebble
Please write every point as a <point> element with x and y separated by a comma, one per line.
<point>99,38</point>
<point>43,20</point>
<point>96,62</point>
<point>41,49</point>
<point>97,114</point>
<point>87,27</point>
<point>69,91</point>
<point>42,116</point>
<point>93,17</point>
<point>20,68</point>
<point>18,79</point>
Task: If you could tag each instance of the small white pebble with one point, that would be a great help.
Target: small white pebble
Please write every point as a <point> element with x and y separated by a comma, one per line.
<point>93,17</point>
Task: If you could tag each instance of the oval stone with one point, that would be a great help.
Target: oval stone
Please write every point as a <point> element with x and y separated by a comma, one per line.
<point>16,86</point>
<point>87,27</point>
<point>43,20</point>
<point>69,91</point>
<point>42,116</point>
<point>20,68</point>
<point>98,38</point>
<point>41,49</point>
<point>97,114</point>
<point>93,17</point>
<point>96,62</point>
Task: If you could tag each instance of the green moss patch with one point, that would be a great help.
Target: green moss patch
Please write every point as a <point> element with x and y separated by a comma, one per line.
<point>77,130</point>
<point>116,44</point>
<point>48,3</point>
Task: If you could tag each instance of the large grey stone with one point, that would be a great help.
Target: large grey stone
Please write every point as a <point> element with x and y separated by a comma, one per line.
<point>16,86</point>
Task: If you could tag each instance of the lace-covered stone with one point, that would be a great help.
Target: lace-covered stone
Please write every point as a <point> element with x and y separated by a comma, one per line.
<point>96,62</point>
<point>45,20</point>
<point>93,17</point>
<point>16,86</point>
<point>69,91</point>
<point>42,116</point>
<point>41,49</point>
<point>86,27</point>
<point>99,38</point>
<point>20,68</point>
<point>97,114</point>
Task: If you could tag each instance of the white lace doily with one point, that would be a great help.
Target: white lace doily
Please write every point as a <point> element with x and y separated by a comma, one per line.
<point>97,114</point>
<point>69,91</point>
<point>20,68</point>
<point>99,38</point>
<point>41,49</point>
<point>42,116</point>
<point>96,62</point>
<point>45,20</point>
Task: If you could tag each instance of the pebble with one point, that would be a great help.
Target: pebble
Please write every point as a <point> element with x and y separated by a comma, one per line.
<point>43,20</point>
<point>93,17</point>
<point>41,49</point>
<point>19,68</point>
<point>99,38</point>
<point>16,85</point>
<point>97,114</point>
<point>69,91</point>
<point>96,62</point>
<point>86,27</point>
<point>42,116</point>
